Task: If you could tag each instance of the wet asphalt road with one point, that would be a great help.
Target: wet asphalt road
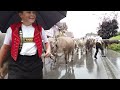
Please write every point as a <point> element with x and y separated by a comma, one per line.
<point>84,67</point>
<point>114,57</point>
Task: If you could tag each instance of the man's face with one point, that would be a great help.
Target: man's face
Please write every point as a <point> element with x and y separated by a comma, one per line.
<point>28,17</point>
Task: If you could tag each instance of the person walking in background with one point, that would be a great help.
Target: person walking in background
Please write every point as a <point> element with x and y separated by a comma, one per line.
<point>99,45</point>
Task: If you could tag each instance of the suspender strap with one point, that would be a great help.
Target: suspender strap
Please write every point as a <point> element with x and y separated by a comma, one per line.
<point>21,38</point>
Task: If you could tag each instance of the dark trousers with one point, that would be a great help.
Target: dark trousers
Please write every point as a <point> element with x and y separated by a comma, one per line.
<point>26,67</point>
<point>99,46</point>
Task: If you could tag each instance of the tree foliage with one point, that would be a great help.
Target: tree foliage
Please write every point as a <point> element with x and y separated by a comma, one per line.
<point>108,28</point>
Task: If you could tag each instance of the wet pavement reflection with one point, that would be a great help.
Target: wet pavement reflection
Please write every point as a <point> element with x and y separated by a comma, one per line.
<point>83,67</point>
<point>114,57</point>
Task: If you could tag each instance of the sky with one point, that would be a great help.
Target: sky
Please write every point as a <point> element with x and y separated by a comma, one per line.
<point>82,22</point>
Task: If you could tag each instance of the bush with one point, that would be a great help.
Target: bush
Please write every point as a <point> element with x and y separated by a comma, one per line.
<point>118,33</point>
<point>115,47</point>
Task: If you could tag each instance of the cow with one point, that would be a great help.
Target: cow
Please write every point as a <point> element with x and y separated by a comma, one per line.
<point>81,45</point>
<point>90,43</point>
<point>107,42</point>
<point>63,45</point>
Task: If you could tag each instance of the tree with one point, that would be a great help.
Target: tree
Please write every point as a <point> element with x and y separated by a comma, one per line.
<point>108,28</point>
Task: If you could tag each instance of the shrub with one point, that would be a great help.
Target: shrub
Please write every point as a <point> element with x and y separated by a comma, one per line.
<point>115,47</point>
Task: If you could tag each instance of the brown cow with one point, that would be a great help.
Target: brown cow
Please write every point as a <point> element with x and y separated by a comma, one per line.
<point>63,45</point>
<point>81,45</point>
<point>90,43</point>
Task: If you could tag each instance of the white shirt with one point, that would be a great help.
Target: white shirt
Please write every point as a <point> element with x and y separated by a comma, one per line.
<point>52,32</point>
<point>27,48</point>
<point>99,39</point>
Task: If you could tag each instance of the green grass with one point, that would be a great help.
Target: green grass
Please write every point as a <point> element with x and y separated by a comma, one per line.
<point>115,38</point>
<point>115,47</point>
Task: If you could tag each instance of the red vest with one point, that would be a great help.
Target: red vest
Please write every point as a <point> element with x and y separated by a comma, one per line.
<point>16,39</point>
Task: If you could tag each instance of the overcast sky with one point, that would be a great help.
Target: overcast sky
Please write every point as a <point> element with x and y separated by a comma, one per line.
<point>82,22</point>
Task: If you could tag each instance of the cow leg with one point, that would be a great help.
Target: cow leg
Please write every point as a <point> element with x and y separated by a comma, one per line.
<point>55,58</point>
<point>68,56</point>
<point>72,55</point>
<point>53,63</point>
<point>77,51</point>
<point>81,51</point>
<point>65,58</point>
<point>86,50</point>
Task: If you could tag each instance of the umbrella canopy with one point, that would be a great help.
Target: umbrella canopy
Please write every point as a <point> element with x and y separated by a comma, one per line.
<point>46,19</point>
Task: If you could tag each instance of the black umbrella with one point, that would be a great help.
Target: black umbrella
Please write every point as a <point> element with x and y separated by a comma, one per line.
<point>46,19</point>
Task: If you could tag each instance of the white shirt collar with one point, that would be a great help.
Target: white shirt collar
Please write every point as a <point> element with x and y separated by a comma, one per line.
<point>24,26</point>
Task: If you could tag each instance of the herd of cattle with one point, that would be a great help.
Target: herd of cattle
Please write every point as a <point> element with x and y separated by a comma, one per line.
<point>61,45</point>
